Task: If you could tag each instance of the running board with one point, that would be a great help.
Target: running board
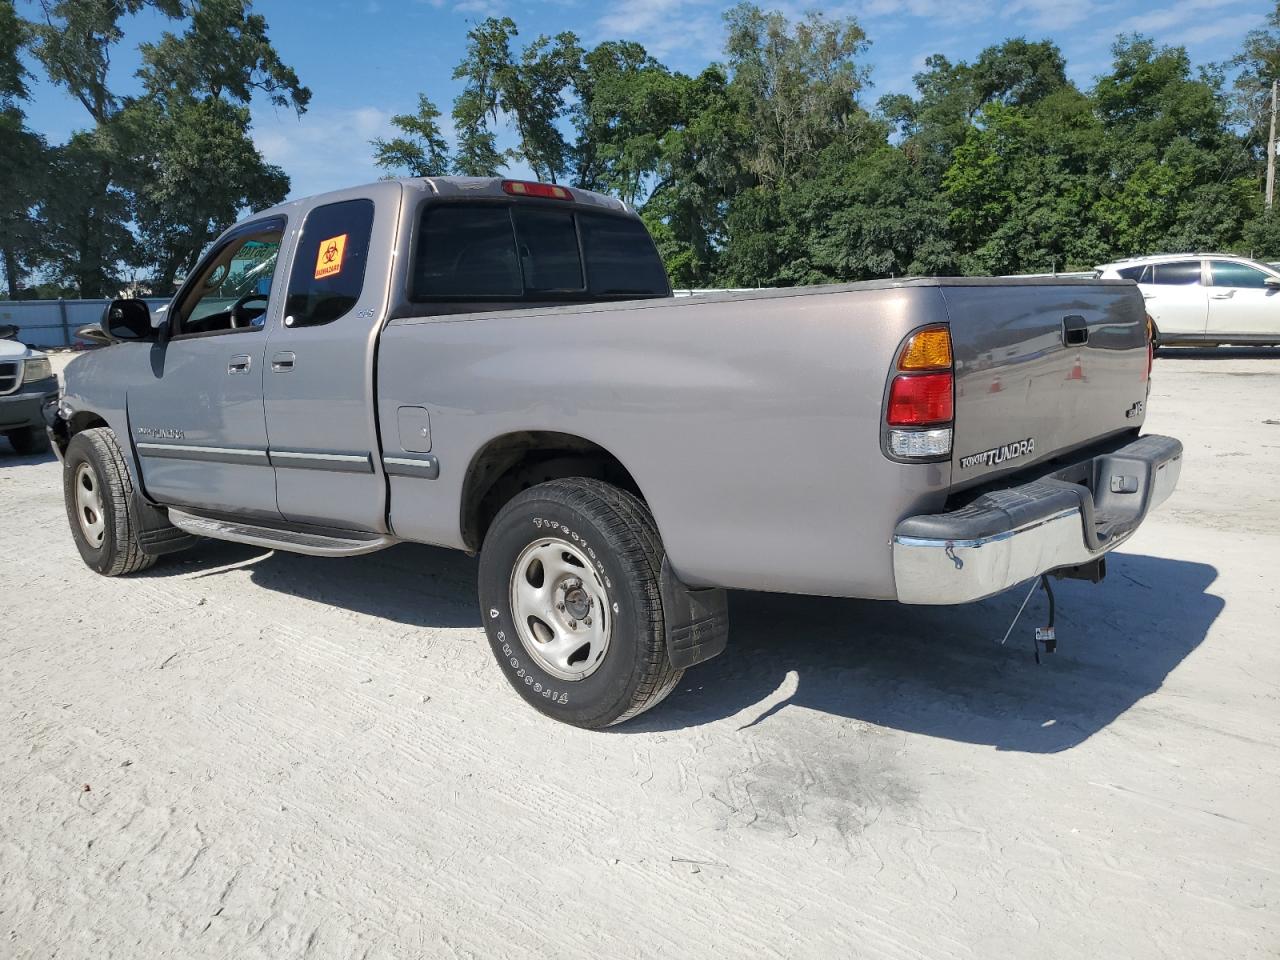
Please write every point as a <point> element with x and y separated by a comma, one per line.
<point>349,543</point>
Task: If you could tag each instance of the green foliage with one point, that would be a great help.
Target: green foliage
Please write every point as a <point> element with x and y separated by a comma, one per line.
<point>155,178</point>
<point>763,169</point>
<point>421,151</point>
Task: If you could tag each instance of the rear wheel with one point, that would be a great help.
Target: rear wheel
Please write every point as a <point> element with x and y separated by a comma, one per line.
<point>28,440</point>
<point>569,576</point>
<point>98,491</point>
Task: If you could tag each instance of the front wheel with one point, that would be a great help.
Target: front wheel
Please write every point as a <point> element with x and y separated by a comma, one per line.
<point>569,593</point>
<point>97,489</point>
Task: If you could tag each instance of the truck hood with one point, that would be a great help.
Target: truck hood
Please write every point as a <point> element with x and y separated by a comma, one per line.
<point>13,350</point>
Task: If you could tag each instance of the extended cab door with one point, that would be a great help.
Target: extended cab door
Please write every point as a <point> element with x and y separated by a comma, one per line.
<point>198,423</point>
<point>1241,301</point>
<point>321,422</point>
<point>1175,296</point>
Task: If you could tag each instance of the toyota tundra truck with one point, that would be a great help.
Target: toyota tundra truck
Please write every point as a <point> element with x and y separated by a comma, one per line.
<point>499,367</point>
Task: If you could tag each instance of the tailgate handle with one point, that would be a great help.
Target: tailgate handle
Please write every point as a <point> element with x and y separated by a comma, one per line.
<point>1075,331</point>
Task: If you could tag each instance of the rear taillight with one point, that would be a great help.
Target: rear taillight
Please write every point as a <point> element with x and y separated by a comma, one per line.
<point>527,188</point>
<point>920,407</point>
<point>922,400</point>
<point>1151,346</point>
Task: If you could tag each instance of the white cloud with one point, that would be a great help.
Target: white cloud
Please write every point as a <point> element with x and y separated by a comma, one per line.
<point>323,149</point>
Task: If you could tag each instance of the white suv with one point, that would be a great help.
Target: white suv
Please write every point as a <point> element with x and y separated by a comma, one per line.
<point>1205,298</point>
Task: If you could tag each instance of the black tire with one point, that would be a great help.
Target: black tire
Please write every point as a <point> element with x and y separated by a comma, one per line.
<point>119,551</point>
<point>28,440</point>
<point>618,532</point>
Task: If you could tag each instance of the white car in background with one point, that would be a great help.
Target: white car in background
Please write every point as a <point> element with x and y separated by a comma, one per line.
<point>1205,298</point>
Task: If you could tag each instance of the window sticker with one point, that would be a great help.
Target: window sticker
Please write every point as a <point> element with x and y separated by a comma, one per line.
<point>329,256</point>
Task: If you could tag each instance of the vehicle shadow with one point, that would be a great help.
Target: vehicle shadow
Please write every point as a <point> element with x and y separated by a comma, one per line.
<point>1218,353</point>
<point>11,458</point>
<point>411,584</point>
<point>939,671</point>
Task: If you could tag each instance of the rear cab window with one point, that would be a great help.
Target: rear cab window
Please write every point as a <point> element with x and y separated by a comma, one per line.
<point>532,252</point>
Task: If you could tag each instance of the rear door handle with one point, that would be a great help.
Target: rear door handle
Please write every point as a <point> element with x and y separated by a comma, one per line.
<point>240,364</point>
<point>282,362</point>
<point>1223,296</point>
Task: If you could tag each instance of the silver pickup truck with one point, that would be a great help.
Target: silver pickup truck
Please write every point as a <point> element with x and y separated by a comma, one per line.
<point>499,366</point>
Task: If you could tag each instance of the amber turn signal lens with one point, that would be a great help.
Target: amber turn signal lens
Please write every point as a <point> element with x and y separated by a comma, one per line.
<point>927,350</point>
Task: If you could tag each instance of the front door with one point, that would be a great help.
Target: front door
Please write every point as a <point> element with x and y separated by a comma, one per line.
<point>198,423</point>
<point>320,366</point>
<point>1241,302</point>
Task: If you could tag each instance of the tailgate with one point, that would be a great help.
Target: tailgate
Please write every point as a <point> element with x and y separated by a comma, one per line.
<point>1042,368</point>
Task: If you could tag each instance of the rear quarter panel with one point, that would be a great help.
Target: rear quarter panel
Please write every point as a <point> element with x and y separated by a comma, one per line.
<point>752,425</point>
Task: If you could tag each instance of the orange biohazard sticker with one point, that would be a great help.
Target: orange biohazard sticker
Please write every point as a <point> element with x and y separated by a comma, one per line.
<point>329,256</point>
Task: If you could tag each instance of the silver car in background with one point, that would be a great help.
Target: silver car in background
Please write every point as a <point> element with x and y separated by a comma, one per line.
<point>1197,299</point>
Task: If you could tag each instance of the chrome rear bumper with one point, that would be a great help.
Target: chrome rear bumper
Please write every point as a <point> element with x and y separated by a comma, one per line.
<point>1009,536</point>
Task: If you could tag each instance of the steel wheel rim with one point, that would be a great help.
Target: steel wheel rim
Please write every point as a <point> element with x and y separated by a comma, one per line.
<point>89,505</point>
<point>561,609</point>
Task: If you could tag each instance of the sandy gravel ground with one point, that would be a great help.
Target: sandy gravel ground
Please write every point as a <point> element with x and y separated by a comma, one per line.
<point>245,754</point>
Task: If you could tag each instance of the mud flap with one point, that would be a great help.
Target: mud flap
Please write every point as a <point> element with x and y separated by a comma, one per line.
<point>156,535</point>
<point>697,621</point>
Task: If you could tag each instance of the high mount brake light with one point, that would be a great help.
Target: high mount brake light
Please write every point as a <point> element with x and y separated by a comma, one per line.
<point>527,188</point>
<point>920,407</point>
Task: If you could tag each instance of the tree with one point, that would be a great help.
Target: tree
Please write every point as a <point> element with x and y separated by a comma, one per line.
<point>193,166</point>
<point>421,151</point>
<point>23,158</point>
<point>529,91</point>
<point>797,87</point>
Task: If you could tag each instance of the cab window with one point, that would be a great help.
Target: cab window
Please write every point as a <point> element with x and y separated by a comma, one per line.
<point>1226,273</point>
<point>1180,273</point>
<point>328,267</point>
<point>231,288</point>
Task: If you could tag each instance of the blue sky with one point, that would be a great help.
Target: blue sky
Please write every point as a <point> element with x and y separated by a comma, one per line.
<point>366,60</point>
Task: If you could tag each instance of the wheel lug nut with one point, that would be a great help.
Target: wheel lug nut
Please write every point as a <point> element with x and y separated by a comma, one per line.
<point>586,622</point>
<point>560,607</point>
<point>573,624</point>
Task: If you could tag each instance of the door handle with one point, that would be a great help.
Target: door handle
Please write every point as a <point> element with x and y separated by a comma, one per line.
<point>1223,296</point>
<point>1075,331</point>
<point>283,362</point>
<point>240,364</point>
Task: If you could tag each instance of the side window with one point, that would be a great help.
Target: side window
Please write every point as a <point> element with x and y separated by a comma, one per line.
<point>1140,274</point>
<point>231,287</point>
<point>466,251</point>
<point>1225,273</point>
<point>329,265</point>
<point>1178,273</point>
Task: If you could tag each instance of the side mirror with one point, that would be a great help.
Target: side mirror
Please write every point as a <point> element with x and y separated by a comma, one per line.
<point>128,320</point>
<point>8,331</point>
<point>1272,282</point>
